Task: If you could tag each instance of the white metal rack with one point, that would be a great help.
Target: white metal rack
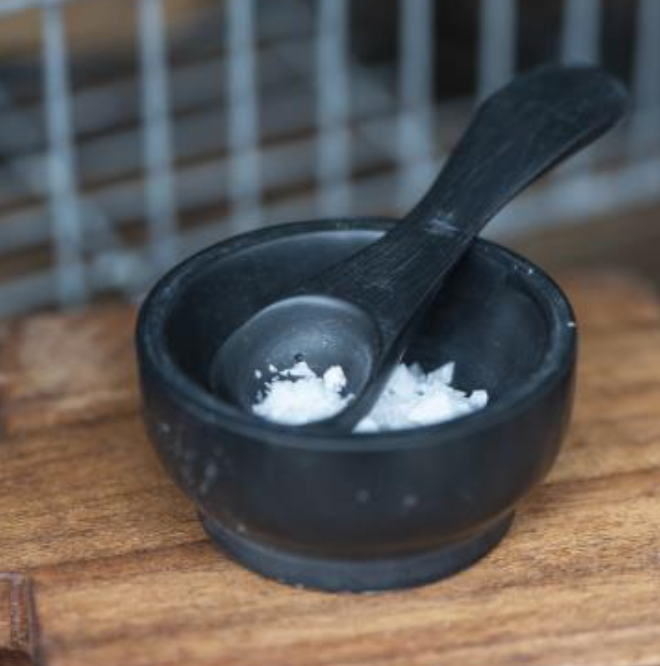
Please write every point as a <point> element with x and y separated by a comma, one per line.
<point>119,178</point>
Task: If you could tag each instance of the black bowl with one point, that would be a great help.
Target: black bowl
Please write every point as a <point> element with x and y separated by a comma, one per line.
<point>370,511</point>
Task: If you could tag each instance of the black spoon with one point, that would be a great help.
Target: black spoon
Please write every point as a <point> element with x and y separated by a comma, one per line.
<point>360,313</point>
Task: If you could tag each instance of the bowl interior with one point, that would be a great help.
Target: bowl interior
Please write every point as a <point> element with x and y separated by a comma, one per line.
<point>490,317</point>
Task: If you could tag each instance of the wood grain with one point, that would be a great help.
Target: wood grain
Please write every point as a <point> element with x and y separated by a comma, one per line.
<point>123,574</point>
<point>56,370</point>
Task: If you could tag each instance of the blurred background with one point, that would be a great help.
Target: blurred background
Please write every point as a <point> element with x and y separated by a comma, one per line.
<point>134,132</point>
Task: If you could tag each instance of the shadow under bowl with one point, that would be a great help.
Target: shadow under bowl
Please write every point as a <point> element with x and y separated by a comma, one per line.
<point>370,511</point>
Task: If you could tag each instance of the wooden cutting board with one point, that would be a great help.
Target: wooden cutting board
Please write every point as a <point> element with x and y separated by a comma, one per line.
<point>105,562</point>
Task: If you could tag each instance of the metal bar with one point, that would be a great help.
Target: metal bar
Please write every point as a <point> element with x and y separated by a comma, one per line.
<point>65,214</point>
<point>580,43</point>
<point>243,115</point>
<point>332,110</point>
<point>159,178</point>
<point>646,78</point>
<point>497,44</point>
<point>30,174</point>
<point>415,83</point>
<point>580,39</point>
<point>415,89</point>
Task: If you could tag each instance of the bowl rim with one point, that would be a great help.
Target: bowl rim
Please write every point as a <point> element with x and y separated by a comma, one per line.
<point>558,360</point>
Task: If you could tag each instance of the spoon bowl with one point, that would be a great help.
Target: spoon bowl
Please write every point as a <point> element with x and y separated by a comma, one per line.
<point>321,329</point>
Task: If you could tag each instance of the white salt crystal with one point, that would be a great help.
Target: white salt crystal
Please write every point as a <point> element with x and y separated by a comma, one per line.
<point>478,399</point>
<point>402,382</point>
<point>299,370</point>
<point>334,379</point>
<point>305,397</point>
<point>436,406</point>
<point>410,399</point>
<point>443,375</point>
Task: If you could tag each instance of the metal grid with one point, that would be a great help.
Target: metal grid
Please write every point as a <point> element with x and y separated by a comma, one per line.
<point>278,122</point>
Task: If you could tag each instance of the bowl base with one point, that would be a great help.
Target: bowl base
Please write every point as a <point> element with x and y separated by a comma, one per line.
<point>371,574</point>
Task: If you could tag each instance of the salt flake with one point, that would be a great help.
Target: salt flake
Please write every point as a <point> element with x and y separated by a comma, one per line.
<point>411,398</point>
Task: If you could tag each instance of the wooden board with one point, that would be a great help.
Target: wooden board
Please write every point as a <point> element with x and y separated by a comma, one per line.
<point>106,563</point>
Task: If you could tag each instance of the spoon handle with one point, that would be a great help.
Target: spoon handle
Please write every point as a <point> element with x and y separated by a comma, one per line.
<point>517,134</point>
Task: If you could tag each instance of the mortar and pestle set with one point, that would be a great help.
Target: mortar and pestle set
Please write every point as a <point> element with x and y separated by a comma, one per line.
<point>317,505</point>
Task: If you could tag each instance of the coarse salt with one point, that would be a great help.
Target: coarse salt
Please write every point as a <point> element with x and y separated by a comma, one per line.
<point>297,395</point>
<point>411,398</point>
